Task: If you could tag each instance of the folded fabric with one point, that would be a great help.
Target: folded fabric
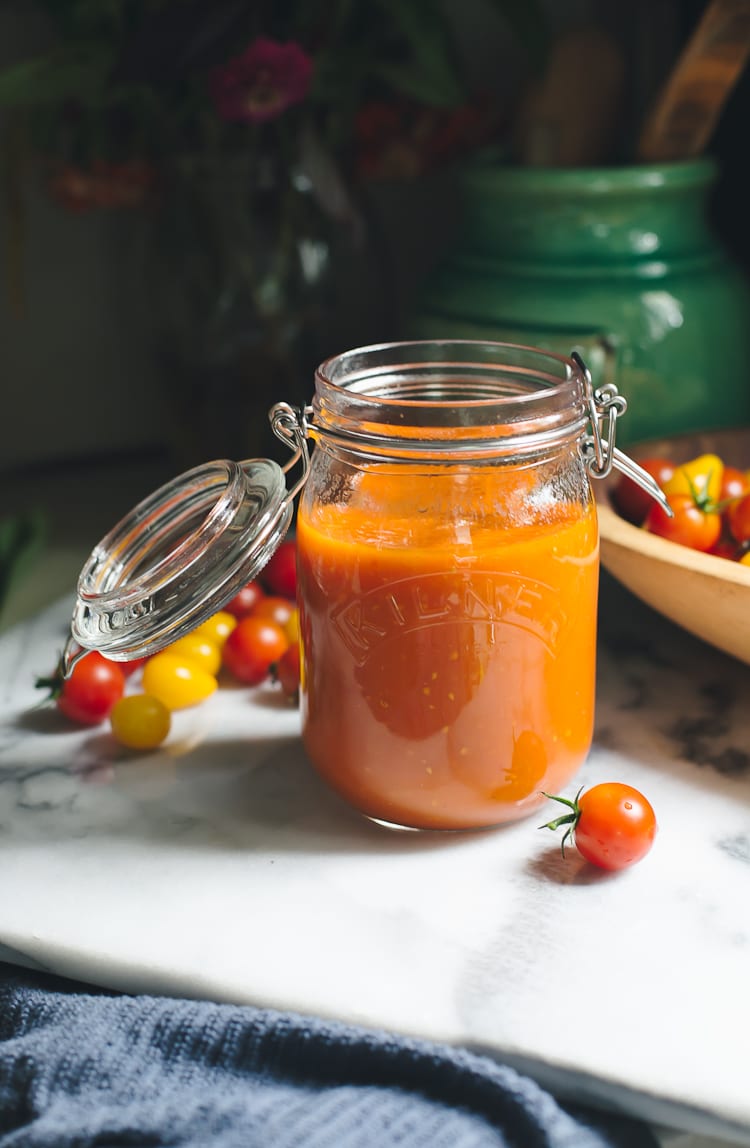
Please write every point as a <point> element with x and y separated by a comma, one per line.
<point>81,1067</point>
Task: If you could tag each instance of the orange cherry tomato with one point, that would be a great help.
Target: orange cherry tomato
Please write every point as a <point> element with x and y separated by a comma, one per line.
<point>276,609</point>
<point>691,525</point>
<point>612,824</point>
<point>252,648</point>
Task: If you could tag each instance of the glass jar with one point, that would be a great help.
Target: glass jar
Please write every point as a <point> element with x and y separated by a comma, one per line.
<point>448,564</point>
<point>448,570</point>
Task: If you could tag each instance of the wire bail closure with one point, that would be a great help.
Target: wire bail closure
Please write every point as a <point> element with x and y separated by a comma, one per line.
<point>604,403</point>
<point>290,425</point>
<point>600,454</point>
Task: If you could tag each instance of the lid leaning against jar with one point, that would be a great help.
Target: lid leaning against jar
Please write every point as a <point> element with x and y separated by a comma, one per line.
<point>186,550</point>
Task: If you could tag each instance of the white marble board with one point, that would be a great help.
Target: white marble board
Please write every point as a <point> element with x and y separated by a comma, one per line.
<point>221,867</point>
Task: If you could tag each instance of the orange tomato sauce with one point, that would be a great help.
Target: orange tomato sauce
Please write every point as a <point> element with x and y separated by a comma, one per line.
<point>448,669</point>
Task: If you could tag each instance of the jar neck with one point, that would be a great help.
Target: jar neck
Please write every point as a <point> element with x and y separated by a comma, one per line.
<point>448,401</point>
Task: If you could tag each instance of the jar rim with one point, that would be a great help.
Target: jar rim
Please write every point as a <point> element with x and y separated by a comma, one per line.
<point>449,396</point>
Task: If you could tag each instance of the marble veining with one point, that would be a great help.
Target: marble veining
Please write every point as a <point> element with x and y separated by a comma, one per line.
<point>221,866</point>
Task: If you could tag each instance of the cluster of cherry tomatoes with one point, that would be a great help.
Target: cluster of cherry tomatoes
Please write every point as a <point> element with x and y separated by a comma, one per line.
<point>710,503</point>
<point>254,638</point>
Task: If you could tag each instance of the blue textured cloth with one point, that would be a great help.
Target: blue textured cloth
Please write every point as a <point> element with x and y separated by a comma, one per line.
<point>83,1067</point>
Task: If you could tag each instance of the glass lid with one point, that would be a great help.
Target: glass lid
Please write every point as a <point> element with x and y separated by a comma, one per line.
<point>184,552</point>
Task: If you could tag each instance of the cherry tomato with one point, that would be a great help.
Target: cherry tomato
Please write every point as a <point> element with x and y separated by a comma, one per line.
<point>177,681</point>
<point>280,574</point>
<point>245,601</point>
<point>278,610</point>
<point>291,627</point>
<point>612,824</point>
<point>701,477</point>
<point>738,519</point>
<point>252,647</point>
<point>286,671</point>
<point>745,558</point>
<point>691,526</point>
<point>726,548</point>
<point>87,696</point>
<point>631,501</point>
<point>217,628</point>
<point>140,721</point>
<point>734,484</point>
<point>130,667</point>
<point>198,649</point>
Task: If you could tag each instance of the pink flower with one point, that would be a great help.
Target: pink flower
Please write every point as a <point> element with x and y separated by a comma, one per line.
<point>262,82</point>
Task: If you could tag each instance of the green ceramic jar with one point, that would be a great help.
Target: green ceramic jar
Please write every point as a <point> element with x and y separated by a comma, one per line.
<point>618,263</point>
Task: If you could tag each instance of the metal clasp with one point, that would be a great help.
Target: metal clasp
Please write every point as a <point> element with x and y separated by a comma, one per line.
<point>290,425</point>
<point>604,403</point>
<point>600,454</point>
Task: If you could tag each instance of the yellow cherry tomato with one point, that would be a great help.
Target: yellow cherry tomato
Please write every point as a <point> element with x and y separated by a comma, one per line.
<point>701,478</point>
<point>745,559</point>
<point>140,721</point>
<point>291,627</point>
<point>217,628</point>
<point>177,681</point>
<point>198,649</point>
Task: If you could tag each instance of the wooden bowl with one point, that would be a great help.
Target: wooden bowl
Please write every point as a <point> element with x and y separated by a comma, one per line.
<point>706,595</point>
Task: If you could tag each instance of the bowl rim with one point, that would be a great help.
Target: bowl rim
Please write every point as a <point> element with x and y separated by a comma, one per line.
<point>618,531</point>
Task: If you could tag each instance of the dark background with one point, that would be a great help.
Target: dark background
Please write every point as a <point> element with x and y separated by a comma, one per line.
<point>77,381</point>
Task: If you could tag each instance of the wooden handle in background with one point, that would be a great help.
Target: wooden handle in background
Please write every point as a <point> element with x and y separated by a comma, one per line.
<point>688,108</point>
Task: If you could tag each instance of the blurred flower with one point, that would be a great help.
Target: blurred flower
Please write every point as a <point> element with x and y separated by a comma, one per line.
<point>102,184</point>
<point>262,82</point>
<point>401,139</point>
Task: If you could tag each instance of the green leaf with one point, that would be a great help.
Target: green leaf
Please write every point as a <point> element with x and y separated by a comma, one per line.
<point>49,79</point>
<point>21,539</point>
<point>429,70</point>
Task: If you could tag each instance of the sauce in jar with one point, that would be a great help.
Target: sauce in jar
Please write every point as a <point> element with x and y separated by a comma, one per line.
<point>449,657</point>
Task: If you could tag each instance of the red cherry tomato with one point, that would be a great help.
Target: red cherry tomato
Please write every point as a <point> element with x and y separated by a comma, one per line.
<point>286,671</point>
<point>612,825</point>
<point>726,548</point>
<point>691,526</point>
<point>245,601</point>
<point>278,610</point>
<point>280,575</point>
<point>734,483</point>
<point>738,519</point>
<point>252,648</point>
<point>88,695</point>
<point>630,500</point>
<point>130,667</point>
